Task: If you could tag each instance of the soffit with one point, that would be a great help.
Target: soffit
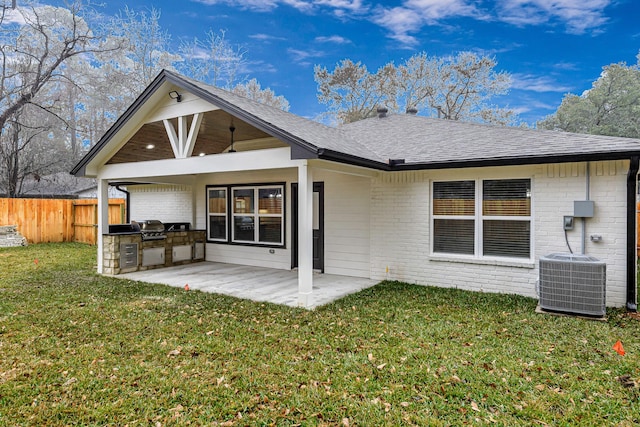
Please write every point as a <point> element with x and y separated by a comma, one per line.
<point>214,137</point>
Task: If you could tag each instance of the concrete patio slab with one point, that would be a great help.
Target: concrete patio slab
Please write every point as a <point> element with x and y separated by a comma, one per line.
<point>253,283</point>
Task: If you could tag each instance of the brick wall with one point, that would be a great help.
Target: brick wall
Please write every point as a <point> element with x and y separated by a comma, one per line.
<point>400,224</point>
<point>167,203</point>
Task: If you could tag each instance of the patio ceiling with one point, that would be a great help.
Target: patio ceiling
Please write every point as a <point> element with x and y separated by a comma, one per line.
<point>214,137</point>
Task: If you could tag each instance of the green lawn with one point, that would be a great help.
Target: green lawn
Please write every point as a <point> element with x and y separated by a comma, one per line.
<point>79,349</point>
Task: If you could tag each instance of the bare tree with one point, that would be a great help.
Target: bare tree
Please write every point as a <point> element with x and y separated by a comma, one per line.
<point>146,49</point>
<point>253,90</point>
<point>213,60</point>
<point>352,93</point>
<point>36,45</point>
<point>455,88</point>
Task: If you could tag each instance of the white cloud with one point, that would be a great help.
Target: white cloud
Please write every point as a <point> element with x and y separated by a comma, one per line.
<point>265,37</point>
<point>530,82</point>
<point>404,20</point>
<point>578,16</point>
<point>333,39</point>
<point>400,21</point>
<point>301,57</point>
<point>351,5</point>
<point>341,7</point>
<point>259,5</point>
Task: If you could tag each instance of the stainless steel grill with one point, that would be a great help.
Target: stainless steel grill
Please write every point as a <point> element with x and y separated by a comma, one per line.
<point>151,229</point>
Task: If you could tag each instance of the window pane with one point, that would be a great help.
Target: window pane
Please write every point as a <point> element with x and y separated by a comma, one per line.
<point>243,228</point>
<point>270,201</point>
<point>507,238</point>
<point>506,197</point>
<point>218,227</point>
<point>454,236</point>
<point>270,230</point>
<point>218,201</point>
<point>454,198</point>
<point>243,200</point>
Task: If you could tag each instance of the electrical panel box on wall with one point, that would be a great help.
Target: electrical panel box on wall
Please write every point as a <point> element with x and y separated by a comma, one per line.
<point>583,208</point>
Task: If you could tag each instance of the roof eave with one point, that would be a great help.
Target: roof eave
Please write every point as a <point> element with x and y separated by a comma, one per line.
<point>517,161</point>
<point>337,156</point>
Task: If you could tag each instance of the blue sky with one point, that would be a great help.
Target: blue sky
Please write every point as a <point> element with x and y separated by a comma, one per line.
<point>550,47</point>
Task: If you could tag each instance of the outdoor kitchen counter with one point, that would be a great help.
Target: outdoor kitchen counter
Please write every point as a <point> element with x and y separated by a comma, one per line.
<point>128,251</point>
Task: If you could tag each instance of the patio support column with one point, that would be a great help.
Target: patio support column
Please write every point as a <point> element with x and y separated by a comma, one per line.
<point>103,219</point>
<point>305,234</point>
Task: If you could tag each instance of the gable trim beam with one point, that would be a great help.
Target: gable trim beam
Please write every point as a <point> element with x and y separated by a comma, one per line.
<point>193,134</point>
<point>242,114</point>
<point>173,138</point>
<point>182,144</point>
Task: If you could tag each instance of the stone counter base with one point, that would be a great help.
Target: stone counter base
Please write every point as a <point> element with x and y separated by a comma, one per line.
<point>113,244</point>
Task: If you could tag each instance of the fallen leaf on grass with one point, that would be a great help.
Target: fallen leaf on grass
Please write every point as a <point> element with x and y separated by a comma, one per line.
<point>174,353</point>
<point>380,367</point>
<point>474,406</point>
<point>69,381</point>
<point>627,381</point>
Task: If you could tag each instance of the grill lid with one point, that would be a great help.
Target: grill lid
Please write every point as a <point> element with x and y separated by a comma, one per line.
<point>149,225</point>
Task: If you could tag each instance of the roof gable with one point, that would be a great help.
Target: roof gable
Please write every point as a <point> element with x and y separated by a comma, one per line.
<point>304,136</point>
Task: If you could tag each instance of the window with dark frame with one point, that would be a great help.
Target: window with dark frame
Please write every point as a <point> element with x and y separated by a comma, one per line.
<point>246,214</point>
<point>499,226</point>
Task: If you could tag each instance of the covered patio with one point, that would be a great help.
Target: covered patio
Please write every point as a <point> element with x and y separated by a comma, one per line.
<point>253,283</point>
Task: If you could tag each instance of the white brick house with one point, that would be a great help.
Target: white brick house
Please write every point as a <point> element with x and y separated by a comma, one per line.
<point>398,197</point>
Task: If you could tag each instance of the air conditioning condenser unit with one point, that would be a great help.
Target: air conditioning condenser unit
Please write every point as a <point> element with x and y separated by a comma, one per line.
<point>572,283</point>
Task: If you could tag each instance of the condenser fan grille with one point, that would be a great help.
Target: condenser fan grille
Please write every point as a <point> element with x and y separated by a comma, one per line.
<point>573,284</point>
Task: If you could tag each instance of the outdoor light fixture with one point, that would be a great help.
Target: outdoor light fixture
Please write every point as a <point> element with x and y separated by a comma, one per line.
<point>232,129</point>
<point>150,146</point>
<point>175,95</point>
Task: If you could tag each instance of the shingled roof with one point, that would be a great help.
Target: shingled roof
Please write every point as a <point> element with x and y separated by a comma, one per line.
<point>433,143</point>
<point>395,141</point>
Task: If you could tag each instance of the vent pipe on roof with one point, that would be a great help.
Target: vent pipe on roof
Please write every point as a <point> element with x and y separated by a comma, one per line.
<point>382,112</point>
<point>412,111</point>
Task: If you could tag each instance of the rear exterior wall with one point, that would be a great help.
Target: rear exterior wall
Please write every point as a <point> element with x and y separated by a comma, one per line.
<point>401,219</point>
<point>346,221</point>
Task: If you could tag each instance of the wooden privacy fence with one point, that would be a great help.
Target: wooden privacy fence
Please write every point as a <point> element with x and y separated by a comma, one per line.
<point>58,220</point>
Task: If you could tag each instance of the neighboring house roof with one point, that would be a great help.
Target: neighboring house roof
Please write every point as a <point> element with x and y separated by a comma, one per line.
<point>63,185</point>
<point>59,184</point>
<point>422,143</point>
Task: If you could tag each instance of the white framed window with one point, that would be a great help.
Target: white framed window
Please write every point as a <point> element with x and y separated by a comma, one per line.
<point>246,214</point>
<point>488,218</point>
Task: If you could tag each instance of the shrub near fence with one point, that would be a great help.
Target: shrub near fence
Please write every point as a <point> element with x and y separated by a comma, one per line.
<point>58,220</point>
